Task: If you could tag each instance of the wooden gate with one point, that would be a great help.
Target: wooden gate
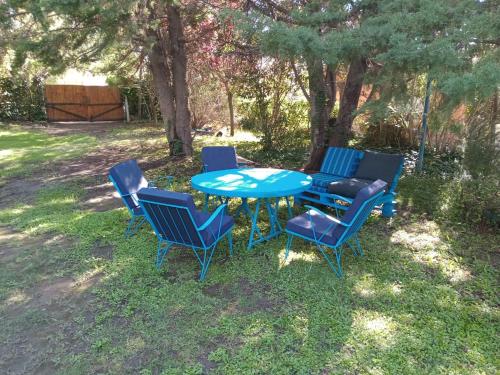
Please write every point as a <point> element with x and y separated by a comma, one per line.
<point>83,103</point>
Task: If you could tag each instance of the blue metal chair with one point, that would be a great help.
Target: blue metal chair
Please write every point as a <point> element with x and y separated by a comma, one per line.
<point>128,179</point>
<point>330,233</point>
<point>216,158</point>
<point>345,171</point>
<point>176,221</point>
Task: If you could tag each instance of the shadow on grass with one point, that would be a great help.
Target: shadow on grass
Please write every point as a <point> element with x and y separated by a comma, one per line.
<point>417,302</point>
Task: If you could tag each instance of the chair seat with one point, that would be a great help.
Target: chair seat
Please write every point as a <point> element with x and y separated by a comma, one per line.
<point>209,234</point>
<point>302,226</point>
<point>348,187</point>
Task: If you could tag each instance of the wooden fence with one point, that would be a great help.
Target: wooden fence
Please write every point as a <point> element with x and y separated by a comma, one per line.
<point>83,103</point>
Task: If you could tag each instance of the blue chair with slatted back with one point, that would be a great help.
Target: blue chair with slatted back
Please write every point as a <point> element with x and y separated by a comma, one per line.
<point>217,158</point>
<point>176,221</point>
<point>339,163</point>
<point>128,179</point>
<point>330,233</point>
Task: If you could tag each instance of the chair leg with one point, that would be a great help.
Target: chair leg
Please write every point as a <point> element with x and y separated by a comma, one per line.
<point>358,245</point>
<point>288,245</point>
<point>133,225</point>
<point>388,209</point>
<point>337,268</point>
<point>230,241</point>
<point>207,258</point>
<point>354,251</point>
<point>163,248</point>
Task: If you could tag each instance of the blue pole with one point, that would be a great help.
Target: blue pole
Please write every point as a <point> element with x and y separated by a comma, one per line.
<point>423,132</point>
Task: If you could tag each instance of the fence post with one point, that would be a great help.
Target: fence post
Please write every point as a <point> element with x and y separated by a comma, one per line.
<point>423,134</point>
<point>125,104</point>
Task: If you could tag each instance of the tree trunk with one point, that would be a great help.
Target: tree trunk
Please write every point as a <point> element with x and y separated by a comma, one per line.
<point>331,89</point>
<point>179,74</point>
<point>139,96</point>
<point>163,85</point>
<point>230,104</point>
<point>231,112</point>
<point>318,113</point>
<point>341,132</point>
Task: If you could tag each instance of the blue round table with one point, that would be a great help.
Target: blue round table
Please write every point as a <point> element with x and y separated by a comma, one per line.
<point>264,184</point>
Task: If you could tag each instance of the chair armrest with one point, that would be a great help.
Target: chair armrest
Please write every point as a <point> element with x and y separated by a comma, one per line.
<point>212,217</point>
<point>312,208</point>
<point>168,179</point>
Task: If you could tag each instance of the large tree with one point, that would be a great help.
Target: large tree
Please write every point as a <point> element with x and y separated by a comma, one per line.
<point>67,34</point>
<point>383,43</point>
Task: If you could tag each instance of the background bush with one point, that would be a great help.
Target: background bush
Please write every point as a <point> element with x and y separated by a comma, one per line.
<point>22,99</point>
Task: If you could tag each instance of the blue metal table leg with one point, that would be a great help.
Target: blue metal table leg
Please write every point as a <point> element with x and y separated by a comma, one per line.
<point>272,220</point>
<point>289,207</point>
<point>275,227</point>
<point>254,226</point>
<point>243,208</point>
<point>273,217</point>
<point>205,205</point>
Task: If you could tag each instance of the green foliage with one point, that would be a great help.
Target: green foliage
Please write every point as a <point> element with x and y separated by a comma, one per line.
<point>472,201</point>
<point>482,154</point>
<point>447,193</point>
<point>287,131</point>
<point>268,106</point>
<point>21,99</point>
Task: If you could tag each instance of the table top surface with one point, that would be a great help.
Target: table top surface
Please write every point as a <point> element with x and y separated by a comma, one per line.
<point>252,182</point>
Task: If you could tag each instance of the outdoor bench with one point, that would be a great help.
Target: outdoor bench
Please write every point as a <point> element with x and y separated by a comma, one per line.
<point>346,171</point>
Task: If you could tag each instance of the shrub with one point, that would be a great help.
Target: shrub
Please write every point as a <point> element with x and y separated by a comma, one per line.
<point>472,200</point>
<point>22,99</point>
<point>284,131</point>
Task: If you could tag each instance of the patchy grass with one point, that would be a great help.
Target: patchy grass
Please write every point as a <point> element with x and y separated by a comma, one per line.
<point>22,151</point>
<point>76,297</point>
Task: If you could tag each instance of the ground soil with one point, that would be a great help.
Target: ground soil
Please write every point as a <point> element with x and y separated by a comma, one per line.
<point>54,297</point>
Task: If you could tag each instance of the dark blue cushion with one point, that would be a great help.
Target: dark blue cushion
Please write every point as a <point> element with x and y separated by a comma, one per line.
<point>210,233</point>
<point>303,226</point>
<point>176,223</point>
<point>363,195</point>
<point>216,158</point>
<point>378,165</point>
<point>129,180</point>
<point>348,187</point>
<point>171,198</point>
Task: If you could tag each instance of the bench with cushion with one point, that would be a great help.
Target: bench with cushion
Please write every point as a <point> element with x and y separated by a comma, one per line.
<point>344,172</point>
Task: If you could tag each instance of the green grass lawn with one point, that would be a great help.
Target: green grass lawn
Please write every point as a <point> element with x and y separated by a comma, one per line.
<point>76,297</point>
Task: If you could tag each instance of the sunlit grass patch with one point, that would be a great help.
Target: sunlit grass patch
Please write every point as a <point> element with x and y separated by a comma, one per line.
<point>24,151</point>
<point>423,299</point>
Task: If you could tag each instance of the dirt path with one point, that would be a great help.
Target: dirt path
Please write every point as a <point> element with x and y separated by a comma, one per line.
<point>34,316</point>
